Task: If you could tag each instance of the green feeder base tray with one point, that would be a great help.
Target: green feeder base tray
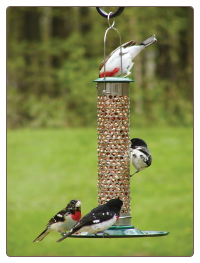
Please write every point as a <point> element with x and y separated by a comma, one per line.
<point>122,232</point>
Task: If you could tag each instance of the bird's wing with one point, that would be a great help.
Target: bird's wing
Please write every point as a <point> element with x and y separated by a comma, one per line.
<point>100,208</point>
<point>130,43</point>
<point>93,218</point>
<point>143,150</point>
<point>149,160</point>
<point>59,217</point>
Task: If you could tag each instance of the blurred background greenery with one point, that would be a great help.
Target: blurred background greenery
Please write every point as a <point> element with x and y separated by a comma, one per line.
<point>53,55</point>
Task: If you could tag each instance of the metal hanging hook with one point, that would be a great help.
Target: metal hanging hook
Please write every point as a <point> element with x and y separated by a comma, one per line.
<point>109,16</point>
<point>104,14</point>
<point>111,27</point>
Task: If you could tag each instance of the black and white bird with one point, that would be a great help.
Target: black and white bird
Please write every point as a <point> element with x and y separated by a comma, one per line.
<point>64,220</point>
<point>127,52</point>
<point>140,155</point>
<point>98,219</point>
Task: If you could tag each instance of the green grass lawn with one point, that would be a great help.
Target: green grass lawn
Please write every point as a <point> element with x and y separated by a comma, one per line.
<point>48,168</point>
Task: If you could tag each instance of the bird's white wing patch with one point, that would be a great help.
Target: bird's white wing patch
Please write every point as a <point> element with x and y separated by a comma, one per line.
<point>96,221</point>
<point>59,215</point>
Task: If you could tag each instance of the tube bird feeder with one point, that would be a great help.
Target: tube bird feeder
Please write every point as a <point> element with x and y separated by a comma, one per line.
<point>113,128</point>
<point>113,150</point>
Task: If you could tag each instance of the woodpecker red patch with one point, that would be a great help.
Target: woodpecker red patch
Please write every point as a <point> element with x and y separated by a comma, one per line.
<point>76,216</point>
<point>117,218</point>
<point>109,73</point>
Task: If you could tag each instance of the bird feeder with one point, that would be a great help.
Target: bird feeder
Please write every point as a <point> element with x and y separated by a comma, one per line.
<point>113,122</point>
<point>113,128</point>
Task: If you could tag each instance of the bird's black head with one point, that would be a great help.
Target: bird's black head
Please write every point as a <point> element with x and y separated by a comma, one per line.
<point>115,204</point>
<point>137,142</point>
<point>74,205</point>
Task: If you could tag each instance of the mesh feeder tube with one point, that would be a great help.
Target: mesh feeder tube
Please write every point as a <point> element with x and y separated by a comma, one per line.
<point>113,104</point>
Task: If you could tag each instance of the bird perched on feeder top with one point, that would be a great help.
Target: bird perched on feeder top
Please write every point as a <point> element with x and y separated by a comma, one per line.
<point>140,155</point>
<point>127,52</point>
<point>64,220</point>
<point>98,219</point>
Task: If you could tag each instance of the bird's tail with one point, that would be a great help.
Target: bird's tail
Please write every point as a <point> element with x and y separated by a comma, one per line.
<point>149,41</point>
<point>65,236</point>
<point>42,235</point>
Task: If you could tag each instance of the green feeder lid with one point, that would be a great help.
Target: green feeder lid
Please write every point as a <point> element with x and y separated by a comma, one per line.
<point>113,79</point>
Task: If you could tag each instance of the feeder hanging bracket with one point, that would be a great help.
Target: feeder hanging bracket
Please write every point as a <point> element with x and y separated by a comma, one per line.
<point>104,14</point>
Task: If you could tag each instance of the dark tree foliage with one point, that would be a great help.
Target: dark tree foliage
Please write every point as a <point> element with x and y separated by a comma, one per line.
<point>53,56</point>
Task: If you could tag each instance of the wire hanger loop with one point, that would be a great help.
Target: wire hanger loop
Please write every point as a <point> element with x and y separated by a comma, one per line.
<point>111,27</point>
